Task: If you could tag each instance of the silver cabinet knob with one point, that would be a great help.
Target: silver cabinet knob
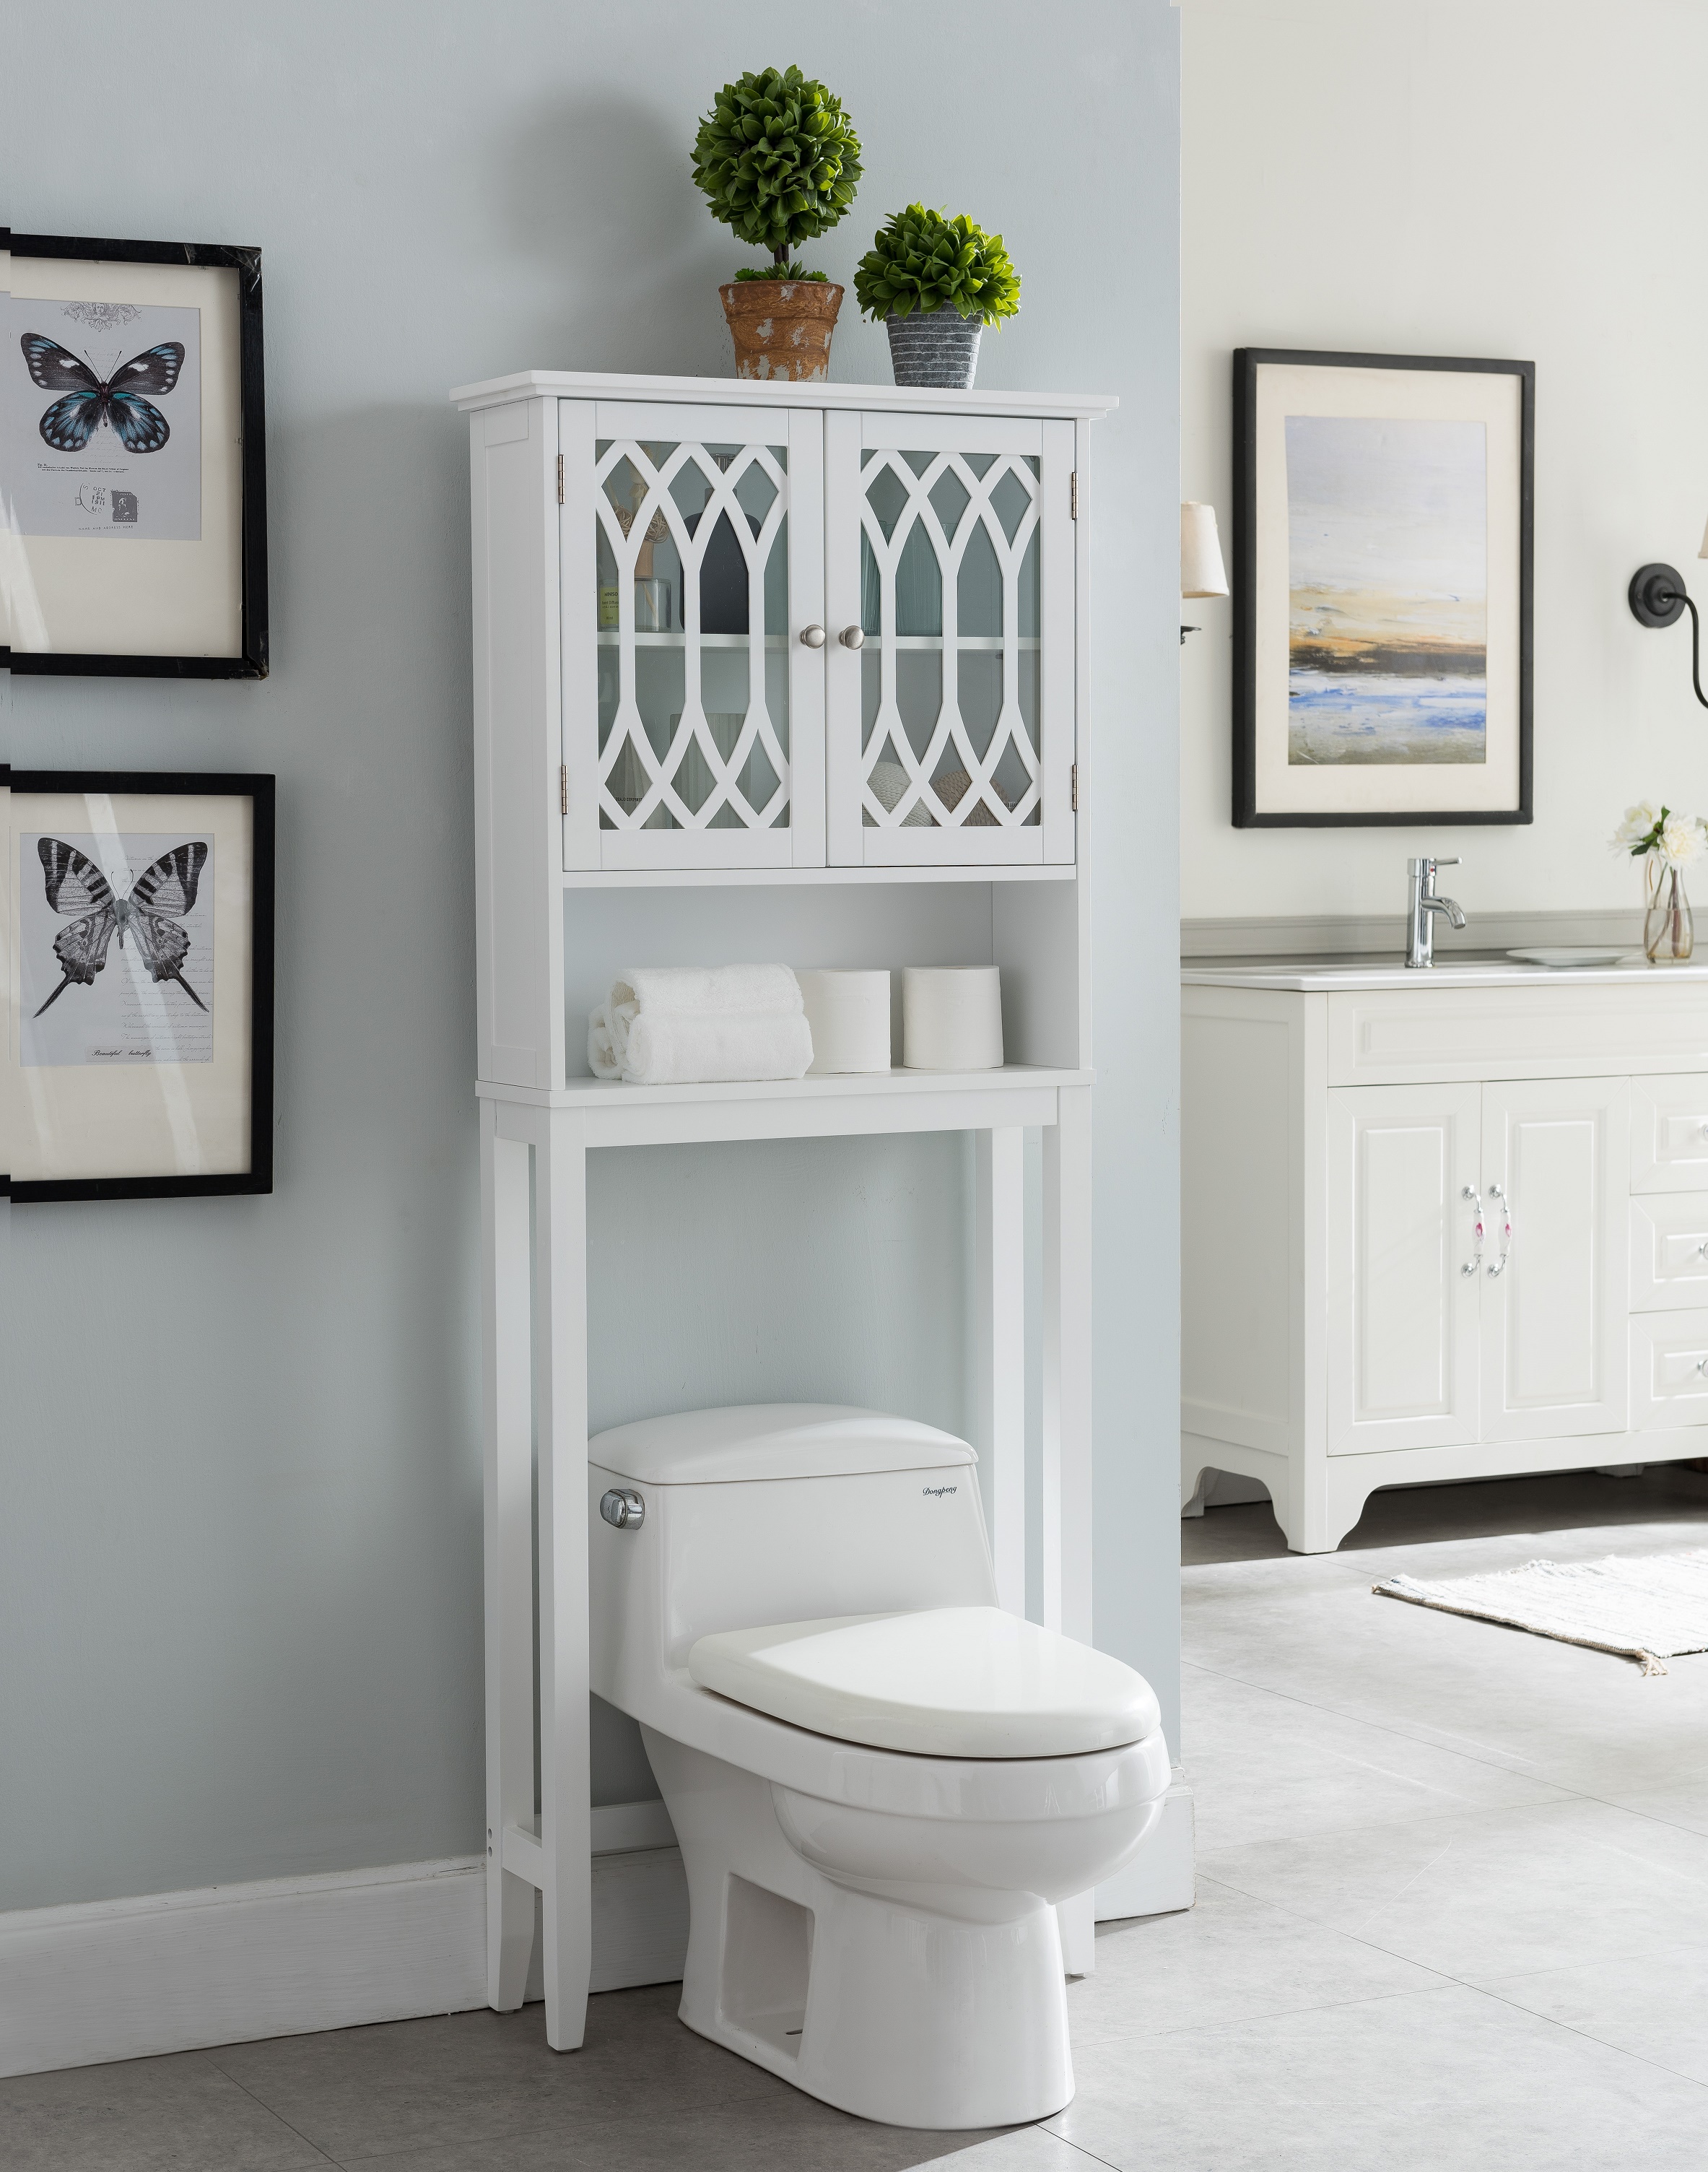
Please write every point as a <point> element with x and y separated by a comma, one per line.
<point>624,1509</point>
<point>812,636</point>
<point>852,637</point>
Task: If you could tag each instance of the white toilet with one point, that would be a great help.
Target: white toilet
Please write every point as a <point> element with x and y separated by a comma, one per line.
<point>879,1781</point>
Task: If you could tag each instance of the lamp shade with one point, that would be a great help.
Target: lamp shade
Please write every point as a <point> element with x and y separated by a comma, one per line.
<point>1703,552</point>
<point>1201,570</point>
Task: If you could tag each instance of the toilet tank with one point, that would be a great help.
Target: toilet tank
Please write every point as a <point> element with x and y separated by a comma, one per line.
<point>773,1512</point>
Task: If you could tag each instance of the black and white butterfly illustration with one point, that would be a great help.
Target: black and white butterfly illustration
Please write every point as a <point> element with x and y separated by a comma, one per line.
<point>158,900</point>
<point>89,400</point>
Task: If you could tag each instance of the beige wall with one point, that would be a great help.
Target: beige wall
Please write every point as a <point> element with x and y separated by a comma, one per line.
<point>1480,177</point>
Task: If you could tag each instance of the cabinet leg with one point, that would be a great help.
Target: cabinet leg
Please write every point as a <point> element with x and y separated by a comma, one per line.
<point>507,1353</point>
<point>560,1401</point>
<point>1002,1355</point>
<point>1066,1501</point>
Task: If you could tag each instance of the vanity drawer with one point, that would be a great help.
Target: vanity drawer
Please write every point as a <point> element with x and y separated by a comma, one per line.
<point>1548,1028</point>
<point>1669,1133</point>
<point>1670,1352</point>
<point>1668,1250</point>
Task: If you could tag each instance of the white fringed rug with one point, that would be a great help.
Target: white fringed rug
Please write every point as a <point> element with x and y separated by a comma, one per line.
<point>1647,1610</point>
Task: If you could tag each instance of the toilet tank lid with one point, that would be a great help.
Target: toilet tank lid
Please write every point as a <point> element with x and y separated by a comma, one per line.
<point>771,1440</point>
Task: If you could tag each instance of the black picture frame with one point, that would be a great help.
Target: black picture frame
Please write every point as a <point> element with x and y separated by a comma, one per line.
<point>253,660</point>
<point>261,792</point>
<point>1247,814</point>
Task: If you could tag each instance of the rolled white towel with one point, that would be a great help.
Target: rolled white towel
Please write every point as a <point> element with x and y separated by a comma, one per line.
<point>670,1048</point>
<point>706,991</point>
<point>602,1057</point>
<point>685,1024</point>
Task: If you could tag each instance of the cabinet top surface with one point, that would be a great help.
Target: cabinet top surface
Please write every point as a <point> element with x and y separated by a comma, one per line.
<point>1320,977</point>
<point>745,392</point>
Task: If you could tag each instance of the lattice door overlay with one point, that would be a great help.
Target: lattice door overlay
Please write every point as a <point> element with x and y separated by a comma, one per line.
<point>692,617</point>
<point>950,734</point>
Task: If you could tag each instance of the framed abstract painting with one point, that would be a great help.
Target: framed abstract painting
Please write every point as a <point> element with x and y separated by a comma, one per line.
<point>1383,517</point>
<point>137,968</point>
<point>132,459</point>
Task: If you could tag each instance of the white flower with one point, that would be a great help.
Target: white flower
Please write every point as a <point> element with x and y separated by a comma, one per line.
<point>1638,822</point>
<point>1680,841</point>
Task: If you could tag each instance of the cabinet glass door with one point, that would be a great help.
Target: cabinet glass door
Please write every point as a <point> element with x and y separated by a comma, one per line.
<point>682,675</point>
<point>951,688</point>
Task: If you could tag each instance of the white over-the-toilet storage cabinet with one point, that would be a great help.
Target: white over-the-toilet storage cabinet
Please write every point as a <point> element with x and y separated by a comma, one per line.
<point>762,671</point>
<point>1440,1225</point>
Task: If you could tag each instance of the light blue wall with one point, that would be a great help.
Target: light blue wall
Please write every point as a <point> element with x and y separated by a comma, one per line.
<point>240,1487</point>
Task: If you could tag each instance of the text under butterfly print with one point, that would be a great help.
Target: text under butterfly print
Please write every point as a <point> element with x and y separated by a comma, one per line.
<point>89,400</point>
<point>148,913</point>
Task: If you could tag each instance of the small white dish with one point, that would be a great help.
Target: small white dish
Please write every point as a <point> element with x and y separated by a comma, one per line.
<point>1559,959</point>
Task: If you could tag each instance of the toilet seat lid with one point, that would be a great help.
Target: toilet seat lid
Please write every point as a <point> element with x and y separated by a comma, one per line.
<point>956,1681</point>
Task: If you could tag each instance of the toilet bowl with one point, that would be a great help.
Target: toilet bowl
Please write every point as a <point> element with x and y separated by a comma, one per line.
<point>880,1783</point>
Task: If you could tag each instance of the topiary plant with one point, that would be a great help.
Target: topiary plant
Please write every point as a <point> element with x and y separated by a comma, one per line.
<point>923,260</point>
<point>778,159</point>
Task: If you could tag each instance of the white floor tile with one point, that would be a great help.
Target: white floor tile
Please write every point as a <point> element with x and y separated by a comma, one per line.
<point>1436,2081</point>
<point>1230,1958</point>
<point>1655,2005</point>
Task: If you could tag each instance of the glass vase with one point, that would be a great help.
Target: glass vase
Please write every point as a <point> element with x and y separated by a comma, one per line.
<point>1668,935</point>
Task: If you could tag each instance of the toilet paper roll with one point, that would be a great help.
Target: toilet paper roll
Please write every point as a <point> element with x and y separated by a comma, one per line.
<point>849,1013</point>
<point>951,1017</point>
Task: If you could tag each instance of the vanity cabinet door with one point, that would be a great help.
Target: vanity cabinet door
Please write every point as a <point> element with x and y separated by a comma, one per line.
<point>1556,1158</point>
<point>1404,1281</point>
<point>951,685</point>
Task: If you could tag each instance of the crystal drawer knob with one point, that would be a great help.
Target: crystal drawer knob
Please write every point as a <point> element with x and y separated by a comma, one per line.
<point>624,1509</point>
<point>812,636</point>
<point>854,637</point>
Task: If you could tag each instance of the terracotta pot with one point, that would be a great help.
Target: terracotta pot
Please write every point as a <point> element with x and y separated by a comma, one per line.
<point>781,327</point>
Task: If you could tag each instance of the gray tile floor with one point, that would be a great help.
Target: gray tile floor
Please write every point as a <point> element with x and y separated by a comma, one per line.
<point>1452,1912</point>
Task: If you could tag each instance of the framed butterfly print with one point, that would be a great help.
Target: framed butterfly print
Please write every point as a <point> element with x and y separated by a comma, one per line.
<point>136,969</point>
<point>133,457</point>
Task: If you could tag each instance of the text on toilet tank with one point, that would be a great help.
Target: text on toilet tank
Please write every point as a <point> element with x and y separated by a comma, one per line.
<point>936,1493</point>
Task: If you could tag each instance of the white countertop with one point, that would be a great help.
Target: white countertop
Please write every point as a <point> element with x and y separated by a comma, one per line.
<point>1329,976</point>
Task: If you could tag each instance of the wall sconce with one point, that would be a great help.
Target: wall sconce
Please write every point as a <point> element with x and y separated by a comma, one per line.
<point>1656,597</point>
<point>1202,573</point>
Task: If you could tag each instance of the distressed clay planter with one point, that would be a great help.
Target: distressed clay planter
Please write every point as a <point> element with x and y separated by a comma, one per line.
<point>781,327</point>
<point>938,347</point>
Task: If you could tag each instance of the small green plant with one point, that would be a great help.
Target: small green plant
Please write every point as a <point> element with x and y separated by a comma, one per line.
<point>923,260</point>
<point>778,160</point>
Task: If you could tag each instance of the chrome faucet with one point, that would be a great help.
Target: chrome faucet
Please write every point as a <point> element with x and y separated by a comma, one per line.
<point>1419,927</point>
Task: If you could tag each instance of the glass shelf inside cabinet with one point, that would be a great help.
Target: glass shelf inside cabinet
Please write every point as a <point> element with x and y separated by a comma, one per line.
<point>950,585</point>
<point>690,614</point>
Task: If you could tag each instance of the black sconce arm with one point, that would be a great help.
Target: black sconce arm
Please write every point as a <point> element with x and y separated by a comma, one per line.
<point>1657,597</point>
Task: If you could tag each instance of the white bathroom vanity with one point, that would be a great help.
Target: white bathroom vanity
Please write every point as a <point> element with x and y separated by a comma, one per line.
<point>1440,1224</point>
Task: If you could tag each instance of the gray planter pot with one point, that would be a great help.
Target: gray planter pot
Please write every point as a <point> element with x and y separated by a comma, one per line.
<point>938,348</point>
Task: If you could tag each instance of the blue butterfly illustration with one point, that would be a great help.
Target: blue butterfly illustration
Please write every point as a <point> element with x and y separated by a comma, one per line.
<point>158,900</point>
<point>89,400</point>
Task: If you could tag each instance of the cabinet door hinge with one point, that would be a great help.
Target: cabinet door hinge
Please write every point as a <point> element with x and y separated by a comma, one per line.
<point>1072,491</point>
<point>1073,787</point>
<point>563,788</point>
<point>560,478</point>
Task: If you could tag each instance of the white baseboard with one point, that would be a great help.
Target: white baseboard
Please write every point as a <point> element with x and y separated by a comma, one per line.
<point>283,1956</point>
<point>174,1971</point>
<point>1160,1879</point>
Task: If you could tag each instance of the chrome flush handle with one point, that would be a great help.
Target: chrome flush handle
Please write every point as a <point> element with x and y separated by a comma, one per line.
<point>1470,1193</point>
<point>1497,1266</point>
